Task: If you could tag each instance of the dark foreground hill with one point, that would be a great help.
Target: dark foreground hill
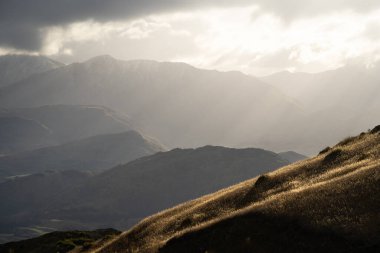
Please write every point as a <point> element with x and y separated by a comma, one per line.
<point>61,242</point>
<point>94,154</point>
<point>124,195</point>
<point>329,203</point>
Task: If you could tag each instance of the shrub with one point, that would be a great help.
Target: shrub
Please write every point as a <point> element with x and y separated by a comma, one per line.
<point>376,130</point>
<point>333,156</point>
<point>346,141</point>
<point>325,150</point>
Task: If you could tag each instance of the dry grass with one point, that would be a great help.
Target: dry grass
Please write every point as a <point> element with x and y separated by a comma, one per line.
<point>334,195</point>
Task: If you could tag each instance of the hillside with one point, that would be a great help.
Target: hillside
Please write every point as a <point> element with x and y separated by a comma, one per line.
<point>125,194</point>
<point>180,105</point>
<point>57,124</point>
<point>61,242</point>
<point>328,203</point>
<point>94,153</point>
<point>14,68</point>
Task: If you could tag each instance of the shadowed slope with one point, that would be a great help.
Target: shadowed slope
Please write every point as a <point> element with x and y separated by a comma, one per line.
<point>127,193</point>
<point>18,134</point>
<point>73,122</point>
<point>123,195</point>
<point>93,153</point>
<point>24,129</point>
<point>327,203</point>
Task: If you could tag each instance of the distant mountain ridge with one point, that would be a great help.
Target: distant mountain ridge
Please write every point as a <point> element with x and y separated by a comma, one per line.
<point>57,124</point>
<point>180,105</point>
<point>352,87</point>
<point>184,106</point>
<point>14,68</point>
<point>95,154</point>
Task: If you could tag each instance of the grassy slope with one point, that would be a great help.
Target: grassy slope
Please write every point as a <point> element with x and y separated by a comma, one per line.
<point>60,242</point>
<point>329,202</point>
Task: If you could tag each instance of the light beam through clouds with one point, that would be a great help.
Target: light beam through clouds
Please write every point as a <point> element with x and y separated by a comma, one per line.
<point>251,39</point>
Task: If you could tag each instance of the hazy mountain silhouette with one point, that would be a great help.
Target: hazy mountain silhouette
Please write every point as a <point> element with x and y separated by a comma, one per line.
<point>56,124</point>
<point>349,93</point>
<point>127,193</point>
<point>353,87</point>
<point>14,68</point>
<point>94,153</point>
<point>328,203</point>
<point>180,105</point>
<point>347,98</point>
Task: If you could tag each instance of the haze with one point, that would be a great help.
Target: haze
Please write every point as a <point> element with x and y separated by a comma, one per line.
<point>191,125</point>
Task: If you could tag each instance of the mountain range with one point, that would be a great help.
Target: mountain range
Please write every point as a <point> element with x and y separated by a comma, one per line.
<point>30,128</point>
<point>14,68</point>
<point>123,195</point>
<point>106,143</point>
<point>94,154</point>
<point>183,106</point>
<point>178,104</point>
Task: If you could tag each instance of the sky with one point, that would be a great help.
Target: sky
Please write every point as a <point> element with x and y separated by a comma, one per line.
<point>257,37</point>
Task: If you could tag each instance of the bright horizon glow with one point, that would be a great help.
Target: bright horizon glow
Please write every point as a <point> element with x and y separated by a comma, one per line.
<point>246,39</point>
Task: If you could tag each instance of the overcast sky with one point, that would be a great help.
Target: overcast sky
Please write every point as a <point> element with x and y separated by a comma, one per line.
<point>257,37</point>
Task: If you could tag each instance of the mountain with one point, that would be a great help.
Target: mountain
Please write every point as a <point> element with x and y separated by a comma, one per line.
<point>94,153</point>
<point>292,156</point>
<point>14,68</point>
<point>328,203</point>
<point>125,194</point>
<point>57,124</point>
<point>180,105</point>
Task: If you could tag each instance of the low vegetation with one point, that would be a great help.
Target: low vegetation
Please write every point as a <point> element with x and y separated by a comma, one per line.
<point>61,242</point>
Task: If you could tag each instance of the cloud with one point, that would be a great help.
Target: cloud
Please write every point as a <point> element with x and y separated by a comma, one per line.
<point>234,41</point>
<point>292,9</point>
<point>23,24</point>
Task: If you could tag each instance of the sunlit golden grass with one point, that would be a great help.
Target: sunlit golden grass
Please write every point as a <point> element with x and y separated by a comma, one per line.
<point>335,192</point>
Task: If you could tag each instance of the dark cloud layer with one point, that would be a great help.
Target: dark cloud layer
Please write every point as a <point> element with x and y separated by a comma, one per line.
<point>22,22</point>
